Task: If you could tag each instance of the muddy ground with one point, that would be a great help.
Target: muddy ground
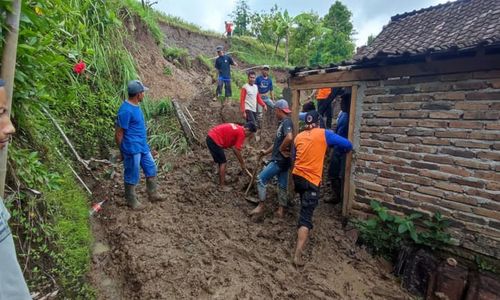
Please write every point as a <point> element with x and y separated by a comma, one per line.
<point>200,242</point>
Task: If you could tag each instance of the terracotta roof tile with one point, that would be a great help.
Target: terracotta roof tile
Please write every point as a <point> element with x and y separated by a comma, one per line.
<point>446,27</point>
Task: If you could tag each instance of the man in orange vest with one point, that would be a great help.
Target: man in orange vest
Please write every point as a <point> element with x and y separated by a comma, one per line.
<point>325,97</point>
<point>310,149</point>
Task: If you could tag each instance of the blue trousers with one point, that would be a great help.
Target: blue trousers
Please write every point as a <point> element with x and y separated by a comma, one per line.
<point>132,163</point>
<point>271,170</point>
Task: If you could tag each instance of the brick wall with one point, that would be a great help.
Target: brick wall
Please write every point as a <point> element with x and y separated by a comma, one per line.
<point>433,144</point>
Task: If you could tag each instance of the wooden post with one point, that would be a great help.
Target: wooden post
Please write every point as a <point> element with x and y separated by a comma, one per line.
<point>295,111</point>
<point>8,68</point>
<point>348,187</point>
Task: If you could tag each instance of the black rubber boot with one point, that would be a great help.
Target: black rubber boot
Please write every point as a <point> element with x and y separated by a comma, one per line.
<point>131,197</point>
<point>152,190</point>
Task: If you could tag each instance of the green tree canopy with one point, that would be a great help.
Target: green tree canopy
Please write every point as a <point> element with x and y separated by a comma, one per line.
<point>242,17</point>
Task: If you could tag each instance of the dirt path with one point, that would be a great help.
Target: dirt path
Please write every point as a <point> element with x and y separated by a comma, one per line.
<point>201,244</point>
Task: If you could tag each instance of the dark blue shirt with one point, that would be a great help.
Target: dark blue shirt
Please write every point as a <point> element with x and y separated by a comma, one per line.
<point>264,84</point>
<point>342,124</point>
<point>223,65</point>
<point>131,119</point>
<point>285,127</point>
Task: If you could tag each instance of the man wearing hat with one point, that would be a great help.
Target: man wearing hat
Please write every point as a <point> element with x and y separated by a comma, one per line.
<point>310,148</point>
<point>223,66</point>
<point>265,85</point>
<point>130,136</point>
<point>226,136</point>
<point>280,162</point>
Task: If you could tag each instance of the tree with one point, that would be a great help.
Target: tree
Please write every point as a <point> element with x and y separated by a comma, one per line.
<point>241,16</point>
<point>304,37</point>
<point>335,42</point>
<point>283,23</point>
<point>338,19</point>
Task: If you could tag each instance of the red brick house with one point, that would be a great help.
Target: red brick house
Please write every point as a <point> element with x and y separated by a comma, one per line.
<point>425,118</point>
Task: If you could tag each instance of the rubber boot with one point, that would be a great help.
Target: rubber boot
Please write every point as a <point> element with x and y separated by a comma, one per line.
<point>152,190</point>
<point>131,197</point>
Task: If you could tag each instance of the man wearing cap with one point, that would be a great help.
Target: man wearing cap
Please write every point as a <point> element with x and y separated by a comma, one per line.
<point>12,283</point>
<point>250,99</point>
<point>325,97</point>
<point>265,85</point>
<point>223,66</point>
<point>130,136</point>
<point>224,136</point>
<point>280,162</point>
<point>310,149</point>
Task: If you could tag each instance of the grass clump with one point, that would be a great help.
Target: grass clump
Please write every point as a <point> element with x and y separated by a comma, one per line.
<point>148,15</point>
<point>164,132</point>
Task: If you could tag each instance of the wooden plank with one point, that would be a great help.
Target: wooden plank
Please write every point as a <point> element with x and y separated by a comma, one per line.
<point>295,110</point>
<point>314,86</point>
<point>468,64</point>
<point>183,121</point>
<point>348,186</point>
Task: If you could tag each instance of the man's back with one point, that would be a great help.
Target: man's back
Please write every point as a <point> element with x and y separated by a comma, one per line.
<point>228,135</point>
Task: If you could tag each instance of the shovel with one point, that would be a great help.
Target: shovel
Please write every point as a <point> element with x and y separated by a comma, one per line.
<point>254,174</point>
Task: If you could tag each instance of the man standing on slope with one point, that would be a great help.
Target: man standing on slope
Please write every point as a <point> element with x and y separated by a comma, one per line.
<point>223,66</point>
<point>325,97</point>
<point>12,283</point>
<point>280,160</point>
<point>265,85</point>
<point>225,136</point>
<point>310,147</point>
<point>249,98</point>
<point>130,136</point>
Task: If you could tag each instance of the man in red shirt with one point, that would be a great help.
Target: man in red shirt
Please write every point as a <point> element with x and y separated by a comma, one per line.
<point>228,135</point>
<point>229,28</point>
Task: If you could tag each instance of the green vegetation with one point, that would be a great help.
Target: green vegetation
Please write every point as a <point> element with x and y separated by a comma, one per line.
<point>52,228</point>
<point>147,15</point>
<point>178,56</point>
<point>253,52</point>
<point>386,233</point>
<point>307,38</point>
<point>164,133</point>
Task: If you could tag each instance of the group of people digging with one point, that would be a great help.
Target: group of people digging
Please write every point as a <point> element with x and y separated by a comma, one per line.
<point>303,156</point>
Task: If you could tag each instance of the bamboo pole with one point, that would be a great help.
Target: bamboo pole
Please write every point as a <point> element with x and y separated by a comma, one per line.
<point>7,73</point>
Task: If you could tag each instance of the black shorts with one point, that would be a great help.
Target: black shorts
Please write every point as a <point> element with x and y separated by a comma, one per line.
<point>309,198</point>
<point>216,151</point>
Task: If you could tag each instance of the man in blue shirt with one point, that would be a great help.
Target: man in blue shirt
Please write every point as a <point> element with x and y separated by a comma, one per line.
<point>336,169</point>
<point>265,85</point>
<point>12,283</point>
<point>130,136</point>
<point>223,66</point>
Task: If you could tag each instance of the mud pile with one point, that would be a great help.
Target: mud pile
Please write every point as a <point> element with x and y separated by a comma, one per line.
<point>200,243</point>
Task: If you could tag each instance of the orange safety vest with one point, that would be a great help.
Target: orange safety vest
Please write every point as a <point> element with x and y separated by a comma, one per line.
<point>322,94</point>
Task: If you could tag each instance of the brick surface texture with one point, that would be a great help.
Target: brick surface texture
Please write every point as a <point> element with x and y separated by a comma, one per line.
<point>431,144</point>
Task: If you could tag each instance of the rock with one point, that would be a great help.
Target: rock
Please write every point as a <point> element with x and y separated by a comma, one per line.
<point>100,248</point>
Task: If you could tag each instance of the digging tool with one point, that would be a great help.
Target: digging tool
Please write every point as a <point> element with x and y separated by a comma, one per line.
<point>254,174</point>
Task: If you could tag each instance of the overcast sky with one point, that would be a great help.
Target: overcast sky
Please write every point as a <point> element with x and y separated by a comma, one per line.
<point>369,16</point>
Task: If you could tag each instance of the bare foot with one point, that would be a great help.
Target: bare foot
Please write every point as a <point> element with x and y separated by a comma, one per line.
<point>297,260</point>
<point>258,210</point>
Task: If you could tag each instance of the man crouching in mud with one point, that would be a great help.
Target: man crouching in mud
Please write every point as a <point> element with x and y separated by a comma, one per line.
<point>310,147</point>
<point>228,135</point>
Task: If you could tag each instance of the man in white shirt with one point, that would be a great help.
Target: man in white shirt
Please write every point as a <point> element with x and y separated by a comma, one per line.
<point>249,99</point>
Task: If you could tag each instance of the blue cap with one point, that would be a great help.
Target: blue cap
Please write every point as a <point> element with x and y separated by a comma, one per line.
<point>312,117</point>
<point>219,48</point>
<point>135,87</point>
